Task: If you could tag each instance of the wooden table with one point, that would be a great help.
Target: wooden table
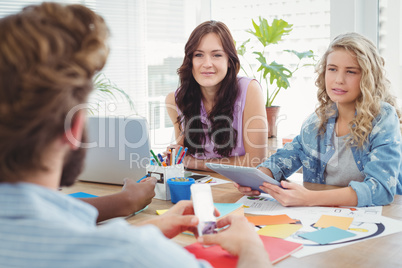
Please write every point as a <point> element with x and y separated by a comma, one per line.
<point>378,252</point>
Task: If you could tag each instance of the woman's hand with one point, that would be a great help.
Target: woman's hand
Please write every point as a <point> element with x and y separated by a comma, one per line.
<point>292,194</point>
<point>246,190</point>
<point>176,148</point>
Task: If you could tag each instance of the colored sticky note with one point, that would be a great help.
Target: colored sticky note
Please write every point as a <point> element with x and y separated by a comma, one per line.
<point>161,211</point>
<point>226,208</point>
<point>82,195</point>
<point>335,221</point>
<point>277,249</point>
<point>270,220</point>
<point>279,230</point>
<point>327,235</point>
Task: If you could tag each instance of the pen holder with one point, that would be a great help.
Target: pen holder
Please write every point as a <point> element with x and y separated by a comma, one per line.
<point>162,174</point>
<point>180,188</point>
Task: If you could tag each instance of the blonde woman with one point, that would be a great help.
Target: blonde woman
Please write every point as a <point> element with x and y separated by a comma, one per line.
<point>352,140</point>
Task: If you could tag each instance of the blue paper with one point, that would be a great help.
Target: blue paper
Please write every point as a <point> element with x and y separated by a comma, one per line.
<point>82,195</point>
<point>327,235</point>
<point>226,208</point>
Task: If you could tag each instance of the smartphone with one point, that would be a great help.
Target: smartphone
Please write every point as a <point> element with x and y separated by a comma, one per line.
<point>198,177</point>
<point>204,208</point>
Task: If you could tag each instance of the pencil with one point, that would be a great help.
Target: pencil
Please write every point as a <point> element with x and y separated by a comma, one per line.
<point>155,157</point>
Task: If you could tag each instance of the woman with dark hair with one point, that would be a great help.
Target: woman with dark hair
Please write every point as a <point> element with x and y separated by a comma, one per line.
<point>217,115</point>
<point>49,54</point>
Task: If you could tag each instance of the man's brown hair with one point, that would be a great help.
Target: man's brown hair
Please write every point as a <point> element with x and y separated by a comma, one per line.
<point>48,56</point>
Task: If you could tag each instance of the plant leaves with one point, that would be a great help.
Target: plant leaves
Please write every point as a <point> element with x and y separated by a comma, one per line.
<point>241,50</point>
<point>273,73</point>
<point>302,55</point>
<point>275,70</point>
<point>267,34</point>
<point>104,89</point>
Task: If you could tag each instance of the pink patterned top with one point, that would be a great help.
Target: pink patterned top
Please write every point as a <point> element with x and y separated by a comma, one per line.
<point>237,123</point>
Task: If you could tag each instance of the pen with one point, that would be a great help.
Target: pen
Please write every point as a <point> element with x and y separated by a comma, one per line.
<point>178,155</point>
<point>156,158</point>
<point>146,176</point>
<point>162,160</point>
<point>183,155</point>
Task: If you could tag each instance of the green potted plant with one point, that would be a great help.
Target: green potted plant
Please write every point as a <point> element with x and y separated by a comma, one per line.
<point>272,75</point>
<point>104,89</point>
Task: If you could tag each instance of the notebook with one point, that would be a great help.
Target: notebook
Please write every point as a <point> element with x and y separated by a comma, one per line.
<point>117,148</point>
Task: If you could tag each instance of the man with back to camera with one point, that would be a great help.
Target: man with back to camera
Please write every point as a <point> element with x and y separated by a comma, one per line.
<point>48,56</point>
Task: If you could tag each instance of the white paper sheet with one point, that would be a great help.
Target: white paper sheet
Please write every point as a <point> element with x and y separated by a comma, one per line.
<point>368,222</point>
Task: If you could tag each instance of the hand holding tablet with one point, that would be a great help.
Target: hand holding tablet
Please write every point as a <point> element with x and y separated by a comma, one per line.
<point>244,176</point>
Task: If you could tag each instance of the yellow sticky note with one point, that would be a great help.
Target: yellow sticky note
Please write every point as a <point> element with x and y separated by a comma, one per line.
<point>336,221</point>
<point>161,211</point>
<point>279,230</point>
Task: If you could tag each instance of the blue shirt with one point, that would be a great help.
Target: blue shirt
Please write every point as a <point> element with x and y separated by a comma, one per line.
<point>380,160</point>
<point>43,228</point>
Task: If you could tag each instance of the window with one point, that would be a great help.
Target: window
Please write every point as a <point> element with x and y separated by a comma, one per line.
<point>390,41</point>
<point>315,24</point>
<point>311,30</point>
<point>147,46</point>
<point>148,38</point>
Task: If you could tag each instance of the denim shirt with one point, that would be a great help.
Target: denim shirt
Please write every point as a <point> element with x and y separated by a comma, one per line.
<point>379,160</point>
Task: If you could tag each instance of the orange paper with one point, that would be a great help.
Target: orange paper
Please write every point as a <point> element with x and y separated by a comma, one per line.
<point>336,221</point>
<point>270,220</point>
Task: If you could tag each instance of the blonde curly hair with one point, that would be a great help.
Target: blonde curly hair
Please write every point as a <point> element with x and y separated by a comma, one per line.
<point>48,56</point>
<point>374,86</point>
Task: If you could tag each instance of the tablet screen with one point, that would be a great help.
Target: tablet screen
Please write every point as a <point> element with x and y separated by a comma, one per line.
<point>244,176</point>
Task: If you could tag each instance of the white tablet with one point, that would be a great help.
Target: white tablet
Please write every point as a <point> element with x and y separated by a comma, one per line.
<point>244,176</point>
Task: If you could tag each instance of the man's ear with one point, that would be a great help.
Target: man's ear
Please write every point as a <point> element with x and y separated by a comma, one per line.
<point>74,130</point>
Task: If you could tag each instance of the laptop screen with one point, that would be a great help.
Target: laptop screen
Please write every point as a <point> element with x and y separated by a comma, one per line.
<point>117,147</point>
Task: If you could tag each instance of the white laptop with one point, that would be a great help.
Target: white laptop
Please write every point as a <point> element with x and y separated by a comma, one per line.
<point>117,147</point>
